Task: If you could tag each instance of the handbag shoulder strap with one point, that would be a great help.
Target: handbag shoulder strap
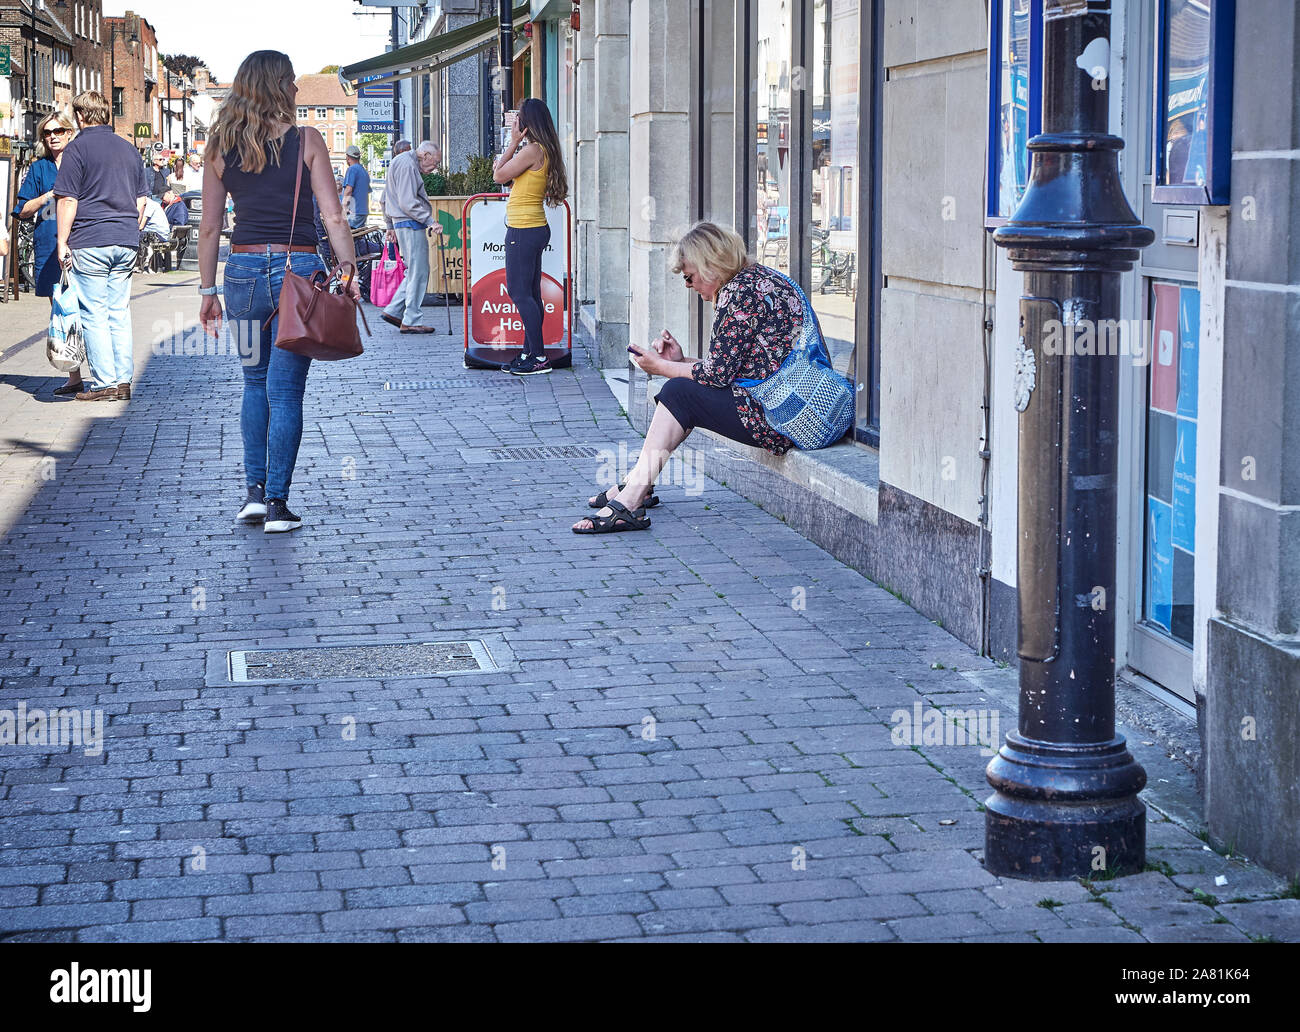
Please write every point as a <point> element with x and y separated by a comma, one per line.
<point>297,187</point>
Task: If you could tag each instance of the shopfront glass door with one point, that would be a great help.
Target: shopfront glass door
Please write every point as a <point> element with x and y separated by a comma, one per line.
<point>1165,399</point>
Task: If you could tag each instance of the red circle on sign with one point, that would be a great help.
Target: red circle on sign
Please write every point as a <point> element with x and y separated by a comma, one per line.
<point>495,320</point>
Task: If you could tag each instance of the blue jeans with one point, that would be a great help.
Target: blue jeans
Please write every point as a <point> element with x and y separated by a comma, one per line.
<point>270,418</point>
<point>102,278</point>
<point>524,249</point>
<point>405,306</point>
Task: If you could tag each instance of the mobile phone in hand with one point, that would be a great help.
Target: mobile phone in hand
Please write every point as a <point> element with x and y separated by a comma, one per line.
<point>634,351</point>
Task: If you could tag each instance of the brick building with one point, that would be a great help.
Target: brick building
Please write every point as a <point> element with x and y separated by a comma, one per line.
<point>323,106</point>
<point>41,47</point>
<point>84,21</point>
<point>133,73</point>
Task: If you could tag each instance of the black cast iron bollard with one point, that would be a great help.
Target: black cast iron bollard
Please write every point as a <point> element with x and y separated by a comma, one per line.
<point>1065,801</point>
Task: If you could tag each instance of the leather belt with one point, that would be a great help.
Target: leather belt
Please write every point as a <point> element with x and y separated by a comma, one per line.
<point>271,248</point>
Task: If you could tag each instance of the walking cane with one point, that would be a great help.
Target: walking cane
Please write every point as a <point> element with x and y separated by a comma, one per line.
<point>446,277</point>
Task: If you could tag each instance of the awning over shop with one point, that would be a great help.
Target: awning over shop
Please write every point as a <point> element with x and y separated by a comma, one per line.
<point>432,54</point>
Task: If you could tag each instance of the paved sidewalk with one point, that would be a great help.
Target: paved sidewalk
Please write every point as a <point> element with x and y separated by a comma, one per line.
<point>692,733</point>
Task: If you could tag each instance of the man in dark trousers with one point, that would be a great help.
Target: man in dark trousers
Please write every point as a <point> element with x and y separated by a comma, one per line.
<point>158,176</point>
<point>101,189</point>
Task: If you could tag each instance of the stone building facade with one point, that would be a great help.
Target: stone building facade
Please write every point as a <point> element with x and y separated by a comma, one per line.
<point>849,142</point>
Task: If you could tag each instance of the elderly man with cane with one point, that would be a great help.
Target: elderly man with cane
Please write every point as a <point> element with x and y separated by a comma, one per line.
<point>409,217</point>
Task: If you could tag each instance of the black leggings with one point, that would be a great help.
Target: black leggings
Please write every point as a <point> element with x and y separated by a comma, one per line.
<point>524,249</point>
<point>713,408</point>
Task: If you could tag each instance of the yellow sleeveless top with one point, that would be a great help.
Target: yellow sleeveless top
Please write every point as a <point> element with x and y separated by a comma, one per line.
<point>524,208</point>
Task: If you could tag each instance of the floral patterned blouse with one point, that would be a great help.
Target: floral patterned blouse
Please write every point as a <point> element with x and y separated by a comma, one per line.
<point>757,320</point>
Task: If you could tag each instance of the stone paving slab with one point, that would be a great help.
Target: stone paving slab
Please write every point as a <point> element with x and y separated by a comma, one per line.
<point>670,750</point>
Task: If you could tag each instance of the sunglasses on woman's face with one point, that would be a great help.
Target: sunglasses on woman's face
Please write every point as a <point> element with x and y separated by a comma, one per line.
<point>55,132</point>
<point>689,277</point>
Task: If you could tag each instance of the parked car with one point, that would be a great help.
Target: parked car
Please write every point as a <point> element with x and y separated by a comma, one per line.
<point>194,202</point>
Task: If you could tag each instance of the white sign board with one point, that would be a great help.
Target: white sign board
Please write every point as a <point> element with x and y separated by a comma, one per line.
<point>487,241</point>
<point>374,109</point>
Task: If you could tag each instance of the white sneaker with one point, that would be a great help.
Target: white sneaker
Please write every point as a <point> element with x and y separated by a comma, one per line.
<point>254,510</point>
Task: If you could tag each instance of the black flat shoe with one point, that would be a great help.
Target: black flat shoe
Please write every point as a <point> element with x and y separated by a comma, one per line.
<point>70,388</point>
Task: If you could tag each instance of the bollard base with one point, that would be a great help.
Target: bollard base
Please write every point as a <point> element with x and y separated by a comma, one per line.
<point>1062,812</point>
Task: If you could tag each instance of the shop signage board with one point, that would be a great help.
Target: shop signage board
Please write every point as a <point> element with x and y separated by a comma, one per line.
<point>494,333</point>
<point>374,109</point>
<point>6,67</point>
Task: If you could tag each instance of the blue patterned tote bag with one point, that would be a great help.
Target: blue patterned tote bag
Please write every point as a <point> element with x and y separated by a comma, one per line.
<point>806,399</point>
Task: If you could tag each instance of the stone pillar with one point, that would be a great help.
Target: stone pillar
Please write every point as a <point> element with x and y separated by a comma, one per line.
<point>611,172</point>
<point>1252,744</point>
<point>586,258</point>
<point>720,87</point>
<point>464,104</point>
<point>662,163</point>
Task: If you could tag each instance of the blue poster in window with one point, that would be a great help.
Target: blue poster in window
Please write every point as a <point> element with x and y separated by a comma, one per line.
<point>1189,339</point>
<point>1184,518</point>
<point>1160,563</point>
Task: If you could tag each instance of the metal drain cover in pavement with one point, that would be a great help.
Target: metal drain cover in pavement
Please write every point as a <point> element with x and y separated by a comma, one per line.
<point>346,662</point>
<point>542,451</point>
<point>439,385</point>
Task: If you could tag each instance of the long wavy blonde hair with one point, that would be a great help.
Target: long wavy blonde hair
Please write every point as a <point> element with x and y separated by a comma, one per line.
<point>260,98</point>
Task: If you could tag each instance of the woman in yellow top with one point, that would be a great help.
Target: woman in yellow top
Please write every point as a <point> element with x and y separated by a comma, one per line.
<point>532,159</point>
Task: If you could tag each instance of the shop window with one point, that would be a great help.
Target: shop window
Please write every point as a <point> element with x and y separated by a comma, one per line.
<point>834,85</point>
<point>774,157</point>
<point>1169,548</point>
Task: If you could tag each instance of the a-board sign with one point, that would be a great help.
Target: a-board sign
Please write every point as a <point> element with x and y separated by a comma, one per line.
<point>494,333</point>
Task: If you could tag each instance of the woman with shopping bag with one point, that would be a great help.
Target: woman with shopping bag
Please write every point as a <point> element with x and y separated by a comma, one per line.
<point>36,202</point>
<point>386,277</point>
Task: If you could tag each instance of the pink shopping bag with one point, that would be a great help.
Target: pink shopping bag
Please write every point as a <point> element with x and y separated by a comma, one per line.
<point>386,278</point>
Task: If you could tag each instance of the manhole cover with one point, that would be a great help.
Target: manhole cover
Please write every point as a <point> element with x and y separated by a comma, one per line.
<point>541,452</point>
<point>449,383</point>
<point>340,662</point>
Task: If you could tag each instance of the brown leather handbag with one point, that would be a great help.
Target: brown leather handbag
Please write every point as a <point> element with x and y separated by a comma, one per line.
<point>318,317</point>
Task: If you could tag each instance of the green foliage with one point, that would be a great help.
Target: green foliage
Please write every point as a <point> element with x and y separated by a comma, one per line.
<point>371,144</point>
<point>480,175</point>
<point>182,64</point>
<point>476,179</point>
<point>328,70</point>
<point>435,183</point>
